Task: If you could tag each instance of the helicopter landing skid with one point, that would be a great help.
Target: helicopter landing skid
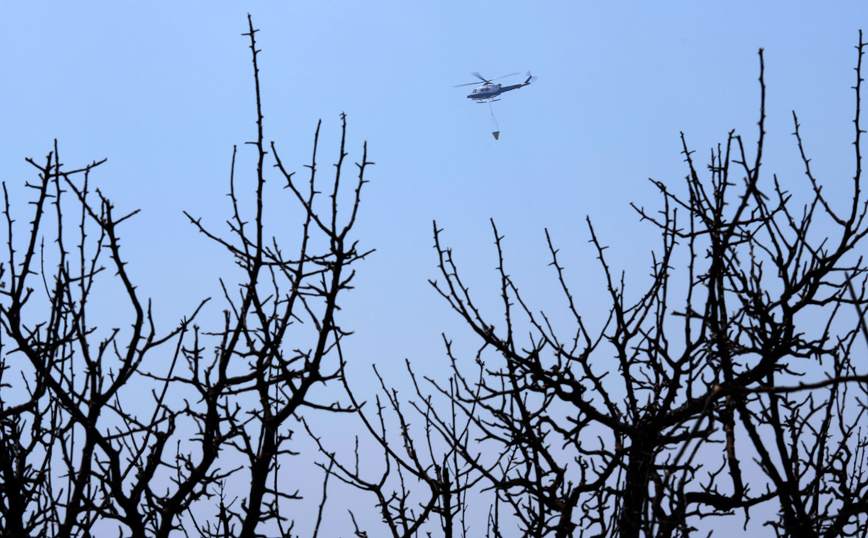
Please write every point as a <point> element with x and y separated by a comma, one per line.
<point>488,101</point>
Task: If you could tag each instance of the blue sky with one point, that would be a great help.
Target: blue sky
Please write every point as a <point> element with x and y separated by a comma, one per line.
<point>164,90</point>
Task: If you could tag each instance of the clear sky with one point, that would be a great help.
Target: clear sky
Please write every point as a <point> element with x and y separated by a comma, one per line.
<point>164,90</point>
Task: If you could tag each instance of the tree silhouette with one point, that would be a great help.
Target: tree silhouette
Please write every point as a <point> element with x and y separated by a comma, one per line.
<point>95,439</point>
<point>728,382</point>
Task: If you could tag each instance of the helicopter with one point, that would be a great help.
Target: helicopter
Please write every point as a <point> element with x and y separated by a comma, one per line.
<point>490,90</point>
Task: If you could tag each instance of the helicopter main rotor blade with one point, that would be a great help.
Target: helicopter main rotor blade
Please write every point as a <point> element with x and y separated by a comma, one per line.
<point>483,79</point>
<point>504,76</point>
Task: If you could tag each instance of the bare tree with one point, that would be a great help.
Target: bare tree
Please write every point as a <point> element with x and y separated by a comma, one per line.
<point>82,450</point>
<point>410,463</point>
<point>725,386</point>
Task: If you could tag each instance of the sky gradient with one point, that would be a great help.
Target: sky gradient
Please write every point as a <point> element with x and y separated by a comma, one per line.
<point>165,92</point>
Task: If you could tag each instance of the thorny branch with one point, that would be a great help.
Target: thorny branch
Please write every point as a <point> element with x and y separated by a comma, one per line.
<point>85,447</point>
<point>575,445</point>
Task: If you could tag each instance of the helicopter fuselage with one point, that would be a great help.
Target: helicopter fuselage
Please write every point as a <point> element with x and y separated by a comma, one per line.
<point>485,92</point>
